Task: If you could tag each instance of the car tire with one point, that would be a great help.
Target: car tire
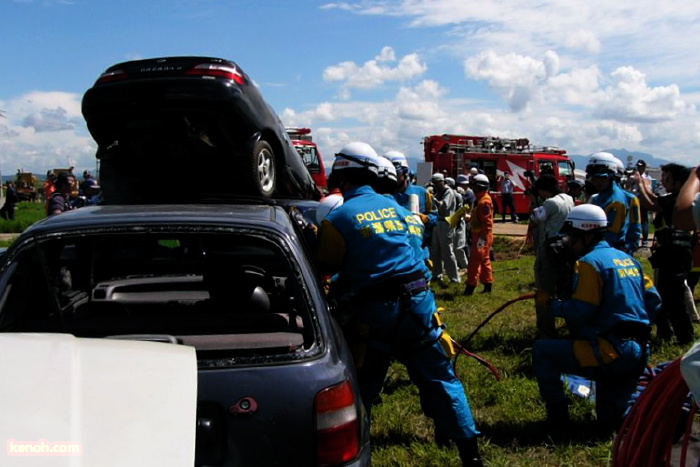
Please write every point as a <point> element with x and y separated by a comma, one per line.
<point>263,169</point>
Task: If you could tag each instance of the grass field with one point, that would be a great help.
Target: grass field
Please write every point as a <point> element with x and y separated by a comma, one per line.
<point>25,215</point>
<point>509,412</point>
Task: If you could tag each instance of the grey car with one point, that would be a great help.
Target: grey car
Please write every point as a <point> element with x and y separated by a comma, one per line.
<point>276,383</point>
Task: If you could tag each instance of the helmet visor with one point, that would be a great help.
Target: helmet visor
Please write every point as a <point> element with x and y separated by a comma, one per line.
<point>598,171</point>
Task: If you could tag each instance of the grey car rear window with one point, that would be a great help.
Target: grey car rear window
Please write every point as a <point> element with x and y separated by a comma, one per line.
<point>226,294</point>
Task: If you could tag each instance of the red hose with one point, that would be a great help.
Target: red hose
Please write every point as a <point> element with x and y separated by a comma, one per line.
<point>461,348</point>
<point>494,313</point>
<point>647,434</point>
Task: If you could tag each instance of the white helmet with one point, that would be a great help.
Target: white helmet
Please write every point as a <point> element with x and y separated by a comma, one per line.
<point>620,166</point>
<point>601,164</point>
<point>585,218</point>
<point>450,182</point>
<point>386,181</point>
<point>386,169</point>
<point>326,205</point>
<point>398,159</point>
<point>481,180</point>
<point>357,155</point>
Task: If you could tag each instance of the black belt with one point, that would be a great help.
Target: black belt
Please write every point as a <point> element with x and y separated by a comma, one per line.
<point>395,288</point>
<point>631,330</point>
<point>416,287</point>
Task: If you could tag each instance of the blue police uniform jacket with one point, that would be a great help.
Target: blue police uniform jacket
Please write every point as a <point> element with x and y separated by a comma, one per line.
<point>616,205</point>
<point>634,228</point>
<point>371,239</point>
<point>424,207</point>
<point>609,287</point>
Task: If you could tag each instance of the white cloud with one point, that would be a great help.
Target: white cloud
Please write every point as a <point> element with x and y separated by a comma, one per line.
<point>629,97</point>
<point>661,37</point>
<point>583,40</point>
<point>515,77</point>
<point>386,55</point>
<point>375,72</point>
<point>42,130</point>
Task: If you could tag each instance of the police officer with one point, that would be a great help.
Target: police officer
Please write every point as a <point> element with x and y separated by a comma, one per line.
<point>389,311</point>
<point>407,193</point>
<point>609,317</point>
<point>624,226</point>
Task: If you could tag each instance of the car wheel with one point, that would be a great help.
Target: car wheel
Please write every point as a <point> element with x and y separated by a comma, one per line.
<point>262,165</point>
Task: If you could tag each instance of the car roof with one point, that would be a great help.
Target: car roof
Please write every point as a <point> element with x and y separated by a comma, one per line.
<point>224,215</point>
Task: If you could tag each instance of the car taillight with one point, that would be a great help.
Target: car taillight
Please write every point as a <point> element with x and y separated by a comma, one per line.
<point>337,425</point>
<point>217,71</point>
<point>113,75</point>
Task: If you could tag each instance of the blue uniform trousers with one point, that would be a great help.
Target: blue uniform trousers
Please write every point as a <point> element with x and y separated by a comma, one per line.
<point>411,337</point>
<point>615,381</point>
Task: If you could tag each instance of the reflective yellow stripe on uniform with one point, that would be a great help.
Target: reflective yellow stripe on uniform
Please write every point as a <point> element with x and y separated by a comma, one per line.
<point>589,285</point>
<point>620,216</point>
<point>331,252</point>
<point>594,352</point>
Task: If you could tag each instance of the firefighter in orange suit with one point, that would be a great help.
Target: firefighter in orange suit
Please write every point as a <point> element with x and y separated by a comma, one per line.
<point>481,223</point>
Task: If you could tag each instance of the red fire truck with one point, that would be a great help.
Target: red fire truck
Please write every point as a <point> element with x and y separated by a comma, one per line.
<point>307,149</point>
<point>456,154</point>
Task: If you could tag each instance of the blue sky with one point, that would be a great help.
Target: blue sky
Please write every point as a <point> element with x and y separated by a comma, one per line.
<point>583,76</point>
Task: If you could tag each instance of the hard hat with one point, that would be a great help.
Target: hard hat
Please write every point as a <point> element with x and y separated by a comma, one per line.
<point>386,177</point>
<point>357,155</point>
<point>585,218</point>
<point>462,179</point>
<point>398,159</point>
<point>641,163</point>
<point>386,169</point>
<point>450,182</point>
<point>326,205</point>
<point>481,180</point>
<point>473,171</point>
<point>438,177</point>
<point>601,164</point>
<point>619,165</point>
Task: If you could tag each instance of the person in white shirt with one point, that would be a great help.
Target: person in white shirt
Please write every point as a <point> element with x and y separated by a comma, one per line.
<point>507,200</point>
<point>549,219</point>
<point>633,186</point>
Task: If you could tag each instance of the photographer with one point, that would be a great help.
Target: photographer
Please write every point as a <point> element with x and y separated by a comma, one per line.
<point>671,255</point>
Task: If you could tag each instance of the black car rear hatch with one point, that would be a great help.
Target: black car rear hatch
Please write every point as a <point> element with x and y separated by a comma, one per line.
<point>154,119</point>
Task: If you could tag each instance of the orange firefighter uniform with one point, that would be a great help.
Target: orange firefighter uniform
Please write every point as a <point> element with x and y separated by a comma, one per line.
<point>481,223</point>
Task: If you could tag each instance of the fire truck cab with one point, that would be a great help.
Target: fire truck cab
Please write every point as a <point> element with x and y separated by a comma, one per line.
<point>493,156</point>
<point>308,151</point>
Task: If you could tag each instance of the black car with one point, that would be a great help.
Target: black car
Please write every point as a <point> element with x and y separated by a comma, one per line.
<point>276,383</point>
<point>188,129</point>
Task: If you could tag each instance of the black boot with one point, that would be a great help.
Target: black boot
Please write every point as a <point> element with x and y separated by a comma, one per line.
<point>557,423</point>
<point>441,440</point>
<point>469,290</point>
<point>487,288</point>
<point>469,452</point>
